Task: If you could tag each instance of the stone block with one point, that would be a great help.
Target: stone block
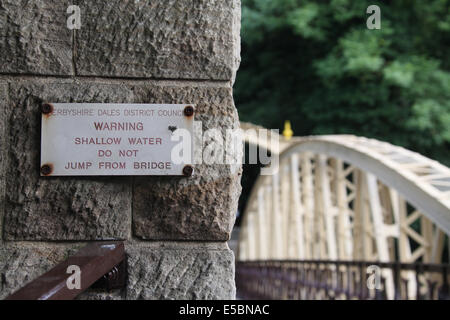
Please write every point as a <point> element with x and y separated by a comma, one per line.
<point>20,264</point>
<point>161,39</point>
<point>155,270</point>
<point>181,272</point>
<point>201,207</point>
<point>59,208</point>
<point>3,104</point>
<point>34,38</point>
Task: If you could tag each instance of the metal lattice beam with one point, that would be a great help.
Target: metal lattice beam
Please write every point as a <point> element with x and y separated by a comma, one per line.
<point>346,197</point>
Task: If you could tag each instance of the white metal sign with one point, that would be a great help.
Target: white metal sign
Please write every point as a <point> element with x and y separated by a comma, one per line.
<point>95,139</point>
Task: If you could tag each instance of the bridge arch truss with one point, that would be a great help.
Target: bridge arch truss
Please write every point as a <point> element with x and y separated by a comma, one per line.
<point>347,198</point>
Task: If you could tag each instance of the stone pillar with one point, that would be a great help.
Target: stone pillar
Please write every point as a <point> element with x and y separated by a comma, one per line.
<point>126,51</point>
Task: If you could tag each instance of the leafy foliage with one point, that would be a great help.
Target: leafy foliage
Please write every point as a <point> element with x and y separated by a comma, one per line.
<point>315,63</point>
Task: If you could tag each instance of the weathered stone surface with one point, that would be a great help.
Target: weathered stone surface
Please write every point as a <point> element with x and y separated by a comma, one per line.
<point>20,264</point>
<point>34,37</point>
<point>82,208</point>
<point>155,270</point>
<point>3,103</point>
<point>161,39</point>
<point>180,271</point>
<point>201,207</point>
<point>98,294</point>
<point>171,39</point>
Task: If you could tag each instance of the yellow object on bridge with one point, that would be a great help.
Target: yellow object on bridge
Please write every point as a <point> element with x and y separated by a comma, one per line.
<point>287,132</point>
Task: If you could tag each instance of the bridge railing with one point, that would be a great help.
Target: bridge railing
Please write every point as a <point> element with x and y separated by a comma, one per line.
<point>328,280</point>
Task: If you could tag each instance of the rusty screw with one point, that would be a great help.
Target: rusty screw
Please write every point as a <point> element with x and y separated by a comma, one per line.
<point>46,108</point>
<point>188,171</point>
<point>46,170</point>
<point>112,275</point>
<point>189,111</point>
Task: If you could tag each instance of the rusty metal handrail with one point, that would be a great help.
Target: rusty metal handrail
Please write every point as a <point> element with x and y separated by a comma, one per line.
<point>100,263</point>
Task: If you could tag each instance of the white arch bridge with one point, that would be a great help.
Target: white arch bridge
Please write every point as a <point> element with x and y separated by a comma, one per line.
<point>345,217</point>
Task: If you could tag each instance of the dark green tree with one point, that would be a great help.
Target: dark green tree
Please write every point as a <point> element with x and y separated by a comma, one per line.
<point>315,63</point>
